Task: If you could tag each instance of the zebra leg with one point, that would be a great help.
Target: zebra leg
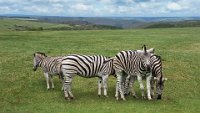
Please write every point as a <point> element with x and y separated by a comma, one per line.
<point>67,87</point>
<point>127,86</point>
<point>62,89</point>
<point>119,85</point>
<point>105,78</point>
<point>70,92</point>
<point>152,82</point>
<point>132,80</point>
<point>117,91</point>
<point>52,84</point>
<point>46,75</point>
<point>148,79</point>
<point>139,77</point>
<point>63,81</point>
<point>66,90</point>
<point>99,86</point>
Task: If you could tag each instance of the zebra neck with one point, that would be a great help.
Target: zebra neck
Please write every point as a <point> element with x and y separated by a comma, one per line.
<point>40,63</point>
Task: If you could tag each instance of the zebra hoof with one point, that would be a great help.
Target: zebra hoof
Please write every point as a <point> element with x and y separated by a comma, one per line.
<point>152,96</point>
<point>117,98</point>
<point>135,96</point>
<point>126,94</point>
<point>72,98</point>
<point>150,99</point>
<point>106,96</point>
<point>143,97</point>
<point>123,99</point>
<point>159,97</point>
<point>66,98</point>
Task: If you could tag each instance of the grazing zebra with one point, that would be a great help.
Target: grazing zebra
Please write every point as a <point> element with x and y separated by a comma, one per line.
<point>49,65</point>
<point>86,66</point>
<point>133,63</point>
<point>156,68</point>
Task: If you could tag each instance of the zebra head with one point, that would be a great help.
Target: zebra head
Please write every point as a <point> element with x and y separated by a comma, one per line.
<point>159,86</point>
<point>37,59</point>
<point>145,56</point>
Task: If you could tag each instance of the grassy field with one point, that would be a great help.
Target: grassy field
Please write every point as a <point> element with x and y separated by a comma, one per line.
<point>24,91</point>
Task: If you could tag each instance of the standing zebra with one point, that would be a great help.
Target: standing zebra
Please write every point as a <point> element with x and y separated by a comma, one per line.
<point>49,65</point>
<point>156,67</point>
<point>86,66</point>
<point>133,63</point>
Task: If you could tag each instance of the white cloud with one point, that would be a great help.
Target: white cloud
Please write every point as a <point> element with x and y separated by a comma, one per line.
<point>174,6</point>
<point>5,9</point>
<point>55,1</point>
<point>102,7</point>
<point>81,7</point>
<point>36,9</point>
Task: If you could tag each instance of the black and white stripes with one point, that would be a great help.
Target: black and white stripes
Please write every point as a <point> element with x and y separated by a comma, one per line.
<point>133,63</point>
<point>157,76</point>
<point>49,65</point>
<point>126,66</point>
<point>156,69</point>
<point>86,66</point>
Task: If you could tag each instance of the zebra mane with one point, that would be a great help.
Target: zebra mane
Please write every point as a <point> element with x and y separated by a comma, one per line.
<point>158,57</point>
<point>40,53</point>
<point>108,59</point>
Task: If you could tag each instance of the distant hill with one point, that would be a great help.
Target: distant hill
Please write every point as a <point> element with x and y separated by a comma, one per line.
<point>31,22</point>
<point>185,23</point>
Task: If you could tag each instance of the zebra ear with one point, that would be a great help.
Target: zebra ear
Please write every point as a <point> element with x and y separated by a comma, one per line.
<point>151,50</point>
<point>164,79</point>
<point>34,54</point>
<point>144,48</point>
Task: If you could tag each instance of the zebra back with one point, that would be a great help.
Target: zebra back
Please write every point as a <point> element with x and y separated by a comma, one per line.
<point>52,65</point>
<point>130,61</point>
<point>49,65</point>
<point>156,65</point>
<point>87,66</point>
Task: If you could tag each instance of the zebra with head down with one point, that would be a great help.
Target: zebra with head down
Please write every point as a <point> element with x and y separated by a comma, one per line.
<point>157,76</point>
<point>133,63</point>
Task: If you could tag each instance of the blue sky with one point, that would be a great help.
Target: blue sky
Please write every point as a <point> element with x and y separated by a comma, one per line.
<point>102,8</point>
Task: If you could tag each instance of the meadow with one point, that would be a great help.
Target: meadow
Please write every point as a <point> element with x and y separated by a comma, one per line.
<point>24,91</point>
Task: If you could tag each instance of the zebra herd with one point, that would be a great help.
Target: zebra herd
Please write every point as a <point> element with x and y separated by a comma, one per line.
<point>126,66</point>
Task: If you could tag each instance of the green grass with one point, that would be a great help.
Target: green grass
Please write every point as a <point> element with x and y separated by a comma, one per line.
<point>24,91</point>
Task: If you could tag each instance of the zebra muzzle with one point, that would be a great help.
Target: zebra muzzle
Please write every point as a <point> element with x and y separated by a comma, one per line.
<point>34,69</point>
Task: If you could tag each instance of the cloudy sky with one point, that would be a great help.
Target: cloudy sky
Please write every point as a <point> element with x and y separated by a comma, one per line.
<point>102,8</point>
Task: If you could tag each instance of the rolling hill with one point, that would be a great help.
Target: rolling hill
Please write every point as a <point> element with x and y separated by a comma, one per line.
<point>27,22</point>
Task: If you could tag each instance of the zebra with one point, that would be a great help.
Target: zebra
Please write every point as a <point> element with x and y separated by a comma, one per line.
<point>157,76</point>
<point>133,63</point>
<point>49,65</point>
<point>156,67</point>
<point>86,66</point>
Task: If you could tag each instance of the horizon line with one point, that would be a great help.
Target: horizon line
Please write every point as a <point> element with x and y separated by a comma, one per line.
<point>22,15</point>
